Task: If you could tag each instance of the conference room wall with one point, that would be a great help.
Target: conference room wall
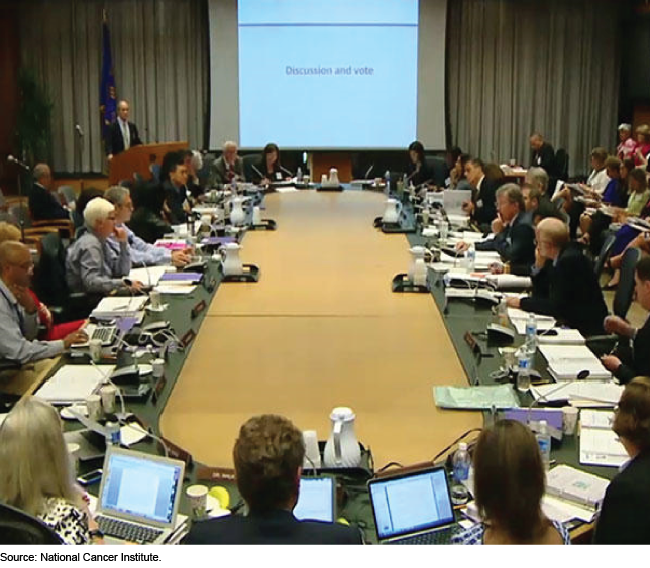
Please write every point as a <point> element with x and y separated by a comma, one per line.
<point>9,96</point>
<point>160,57</point>
<point>515,67</point>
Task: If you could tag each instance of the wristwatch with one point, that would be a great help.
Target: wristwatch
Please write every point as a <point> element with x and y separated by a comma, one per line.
<point>96,533</point>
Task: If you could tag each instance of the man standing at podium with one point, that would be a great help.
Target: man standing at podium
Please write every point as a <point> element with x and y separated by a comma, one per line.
<point>122,134</point>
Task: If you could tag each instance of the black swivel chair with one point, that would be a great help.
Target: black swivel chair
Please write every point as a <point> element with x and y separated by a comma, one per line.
<point>603,256</point>
<point>439,168</point>
<point>17,527</point>
<point>248,161</point>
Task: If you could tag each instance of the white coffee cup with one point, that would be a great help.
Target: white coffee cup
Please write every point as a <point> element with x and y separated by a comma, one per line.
<point>95,348</point>
<point>257,217</point>
<point>158,368</point>
<point>154,299</point>
<point>323,179</point>
<point>513,162</point>
<point>108,394</point>
<point>198,498</point>
<point>312,453</point>
<point>94,406</point>
<point>425,217</point>
<point>569,420</point>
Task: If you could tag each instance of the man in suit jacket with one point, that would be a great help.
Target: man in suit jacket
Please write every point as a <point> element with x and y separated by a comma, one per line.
<point>630,363</point>
<point>44,205</point>
<point>122,134</point>
<point>229,166</point>
<point>268,458</point>
<point>624,517</point>
<point>543,155</point>
<point>482,208</point>
<point>175,190</point>
<point>564,284</point>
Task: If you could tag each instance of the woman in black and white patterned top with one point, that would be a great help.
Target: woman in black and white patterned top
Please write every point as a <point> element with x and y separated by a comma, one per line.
<point>36,474</point>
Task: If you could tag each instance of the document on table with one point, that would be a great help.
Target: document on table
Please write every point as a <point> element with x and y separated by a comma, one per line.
<point>564,511</point>
<point>605,392</point>
<point>577,486</point>
<point>566,362</point>
<point>149,275</point>
<point>119,306</point>
<point>518,318</point>
<point>74,383</point>
<point>177,289</point>
<point>510,281</point>
<point>285,189</point>
<point>562,337</point>
<point>475,398</point>
<point>599,444</point>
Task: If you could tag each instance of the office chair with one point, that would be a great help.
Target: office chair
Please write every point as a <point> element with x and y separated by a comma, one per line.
<point>439,168</point>
<point>561,164</point>
<point>17,527</point>
<point>603,256</point>
<point>20,212</point>
<point>248,162</point>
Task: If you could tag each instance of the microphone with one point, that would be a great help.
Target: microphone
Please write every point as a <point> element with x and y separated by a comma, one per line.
<point>259,173</point>
<point>16,161</point>
<point>79,131</point>
<point>368,171</point>
<point>286,171</point>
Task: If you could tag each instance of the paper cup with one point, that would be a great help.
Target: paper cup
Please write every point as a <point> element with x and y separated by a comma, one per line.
<point>108,394</point>
<point>569,420</point>
<point>425,217</point>
<point>154,299</point>
<point>94,405</point>
<point>158,367</point>
<point>257,217</point>
<point>513,162</point>
<point>95,347</point>
<point>198,499</point>
<point>73,450</point>
<point>312,453</point>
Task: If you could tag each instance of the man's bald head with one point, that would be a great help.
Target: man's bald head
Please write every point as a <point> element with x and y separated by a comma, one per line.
<point>123,109</point>
<point>15,263</point>
<point>552,236</point>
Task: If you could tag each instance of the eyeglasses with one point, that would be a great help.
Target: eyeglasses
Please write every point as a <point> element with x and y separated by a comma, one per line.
<point>24,265</point>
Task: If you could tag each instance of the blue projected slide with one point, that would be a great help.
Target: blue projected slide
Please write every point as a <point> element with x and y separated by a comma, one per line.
<point>335,74</point>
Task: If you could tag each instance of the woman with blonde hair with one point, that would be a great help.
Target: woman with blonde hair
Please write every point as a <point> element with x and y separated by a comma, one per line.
<point>36,473</point>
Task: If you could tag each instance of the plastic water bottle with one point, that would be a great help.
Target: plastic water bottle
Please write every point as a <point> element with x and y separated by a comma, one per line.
<point>544,442</point>
<point>387,178</point>
<point>502,312</point>
<point>523,371</point>
<point>112,434</point>
<point>444,230</point>
<point>299,174</point>
<point>471,258</point>
<point>531,334</point>
<point>461,463</point>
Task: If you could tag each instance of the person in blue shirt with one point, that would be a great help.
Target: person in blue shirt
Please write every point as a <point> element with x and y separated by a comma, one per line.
<point>509,483</point>
<point>142,253</point>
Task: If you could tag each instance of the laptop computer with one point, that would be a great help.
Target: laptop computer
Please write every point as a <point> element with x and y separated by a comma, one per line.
<point>413,508</point>
<point>138,497</point>
<point>316,500</point>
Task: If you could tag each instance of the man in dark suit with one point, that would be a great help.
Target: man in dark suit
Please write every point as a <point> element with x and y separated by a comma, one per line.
<point>229,166</point>
<point>44,205</point>
<point>624,517</point>
<point>122,134</point>
<point>482,208</point>
<point>268,458</point>
<point>632,362</point>
<point>564,284</point>
<point>176,205</point>
<point>543,155</point>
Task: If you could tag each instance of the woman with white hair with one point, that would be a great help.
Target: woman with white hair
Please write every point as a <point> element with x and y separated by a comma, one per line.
<point>36,474</point>
<point>89,267</point>
<point>627,146</point>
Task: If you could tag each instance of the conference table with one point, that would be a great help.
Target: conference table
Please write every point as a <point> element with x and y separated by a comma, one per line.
<point>322,328</point>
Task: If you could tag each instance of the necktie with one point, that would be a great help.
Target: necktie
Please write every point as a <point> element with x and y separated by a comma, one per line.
<point>125,134</point>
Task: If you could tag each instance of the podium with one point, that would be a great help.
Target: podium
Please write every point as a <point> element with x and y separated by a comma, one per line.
<point>138,160</point>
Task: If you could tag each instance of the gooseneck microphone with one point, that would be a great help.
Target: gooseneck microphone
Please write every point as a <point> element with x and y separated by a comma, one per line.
<point>79,131</point>
<point>286,171</point>
<point>16,161</point>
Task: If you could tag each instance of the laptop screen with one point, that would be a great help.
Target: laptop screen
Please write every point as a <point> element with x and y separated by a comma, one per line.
<point>316,500</point>
<point>141,487</point>
<point>411,503</point>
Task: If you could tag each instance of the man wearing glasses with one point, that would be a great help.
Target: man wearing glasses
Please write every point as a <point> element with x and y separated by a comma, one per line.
<point>18,311</point>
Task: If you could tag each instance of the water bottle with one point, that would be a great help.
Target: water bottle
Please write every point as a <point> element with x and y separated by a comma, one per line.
<point>233,185</point>
<point>471,258</point>
<point>544,442</point>
<point>299,175</point>
<point>502,312</point>
<point>112,434</point>
<point>387,178</point>
<point>523,371</point>
<point>444,230</point>
<point>461,463</point>
<point>531,334</point>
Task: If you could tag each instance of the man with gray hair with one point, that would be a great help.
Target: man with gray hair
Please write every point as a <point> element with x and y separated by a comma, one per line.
<point>18,311</point>
<point>539,179</point>
<point>44,205</point>
<point>90,266</point>
<point>142,253</point>
<point>515,236</point>
<point>228,167</point>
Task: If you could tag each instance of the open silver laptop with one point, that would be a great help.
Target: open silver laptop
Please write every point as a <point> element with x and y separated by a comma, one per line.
<point>413,508</point>
<point>139,496</point>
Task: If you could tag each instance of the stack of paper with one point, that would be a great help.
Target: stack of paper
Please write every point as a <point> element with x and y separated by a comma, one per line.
<point>476,398</point>
<point>561,336</point>
<point>599,444</point>
<point>518,318</point>
<point>579,392</point>
<point>74,383</point>
<point>510,281</point>
<point>171,244</point>
<point>119,306</point>
<point>148,275</point>
<point>566,362</point>
<point>576,486</point>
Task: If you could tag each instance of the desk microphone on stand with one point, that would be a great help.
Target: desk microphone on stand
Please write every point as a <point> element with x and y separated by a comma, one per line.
<point>21,221</point>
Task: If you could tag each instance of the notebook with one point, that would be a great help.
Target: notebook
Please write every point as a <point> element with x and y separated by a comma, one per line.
<point>139,496</point>
<point>412,507</point>
<point>116,306</point>
<point>74,383</point>
<point>316,501</point>
<point>599,444</point>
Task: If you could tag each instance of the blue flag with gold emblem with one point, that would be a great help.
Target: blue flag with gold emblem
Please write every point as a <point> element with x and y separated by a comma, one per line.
<point>107,94</point>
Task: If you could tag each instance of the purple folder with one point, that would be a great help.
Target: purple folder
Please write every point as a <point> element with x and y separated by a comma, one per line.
<point>181,277</point>
<point>218,240</point>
